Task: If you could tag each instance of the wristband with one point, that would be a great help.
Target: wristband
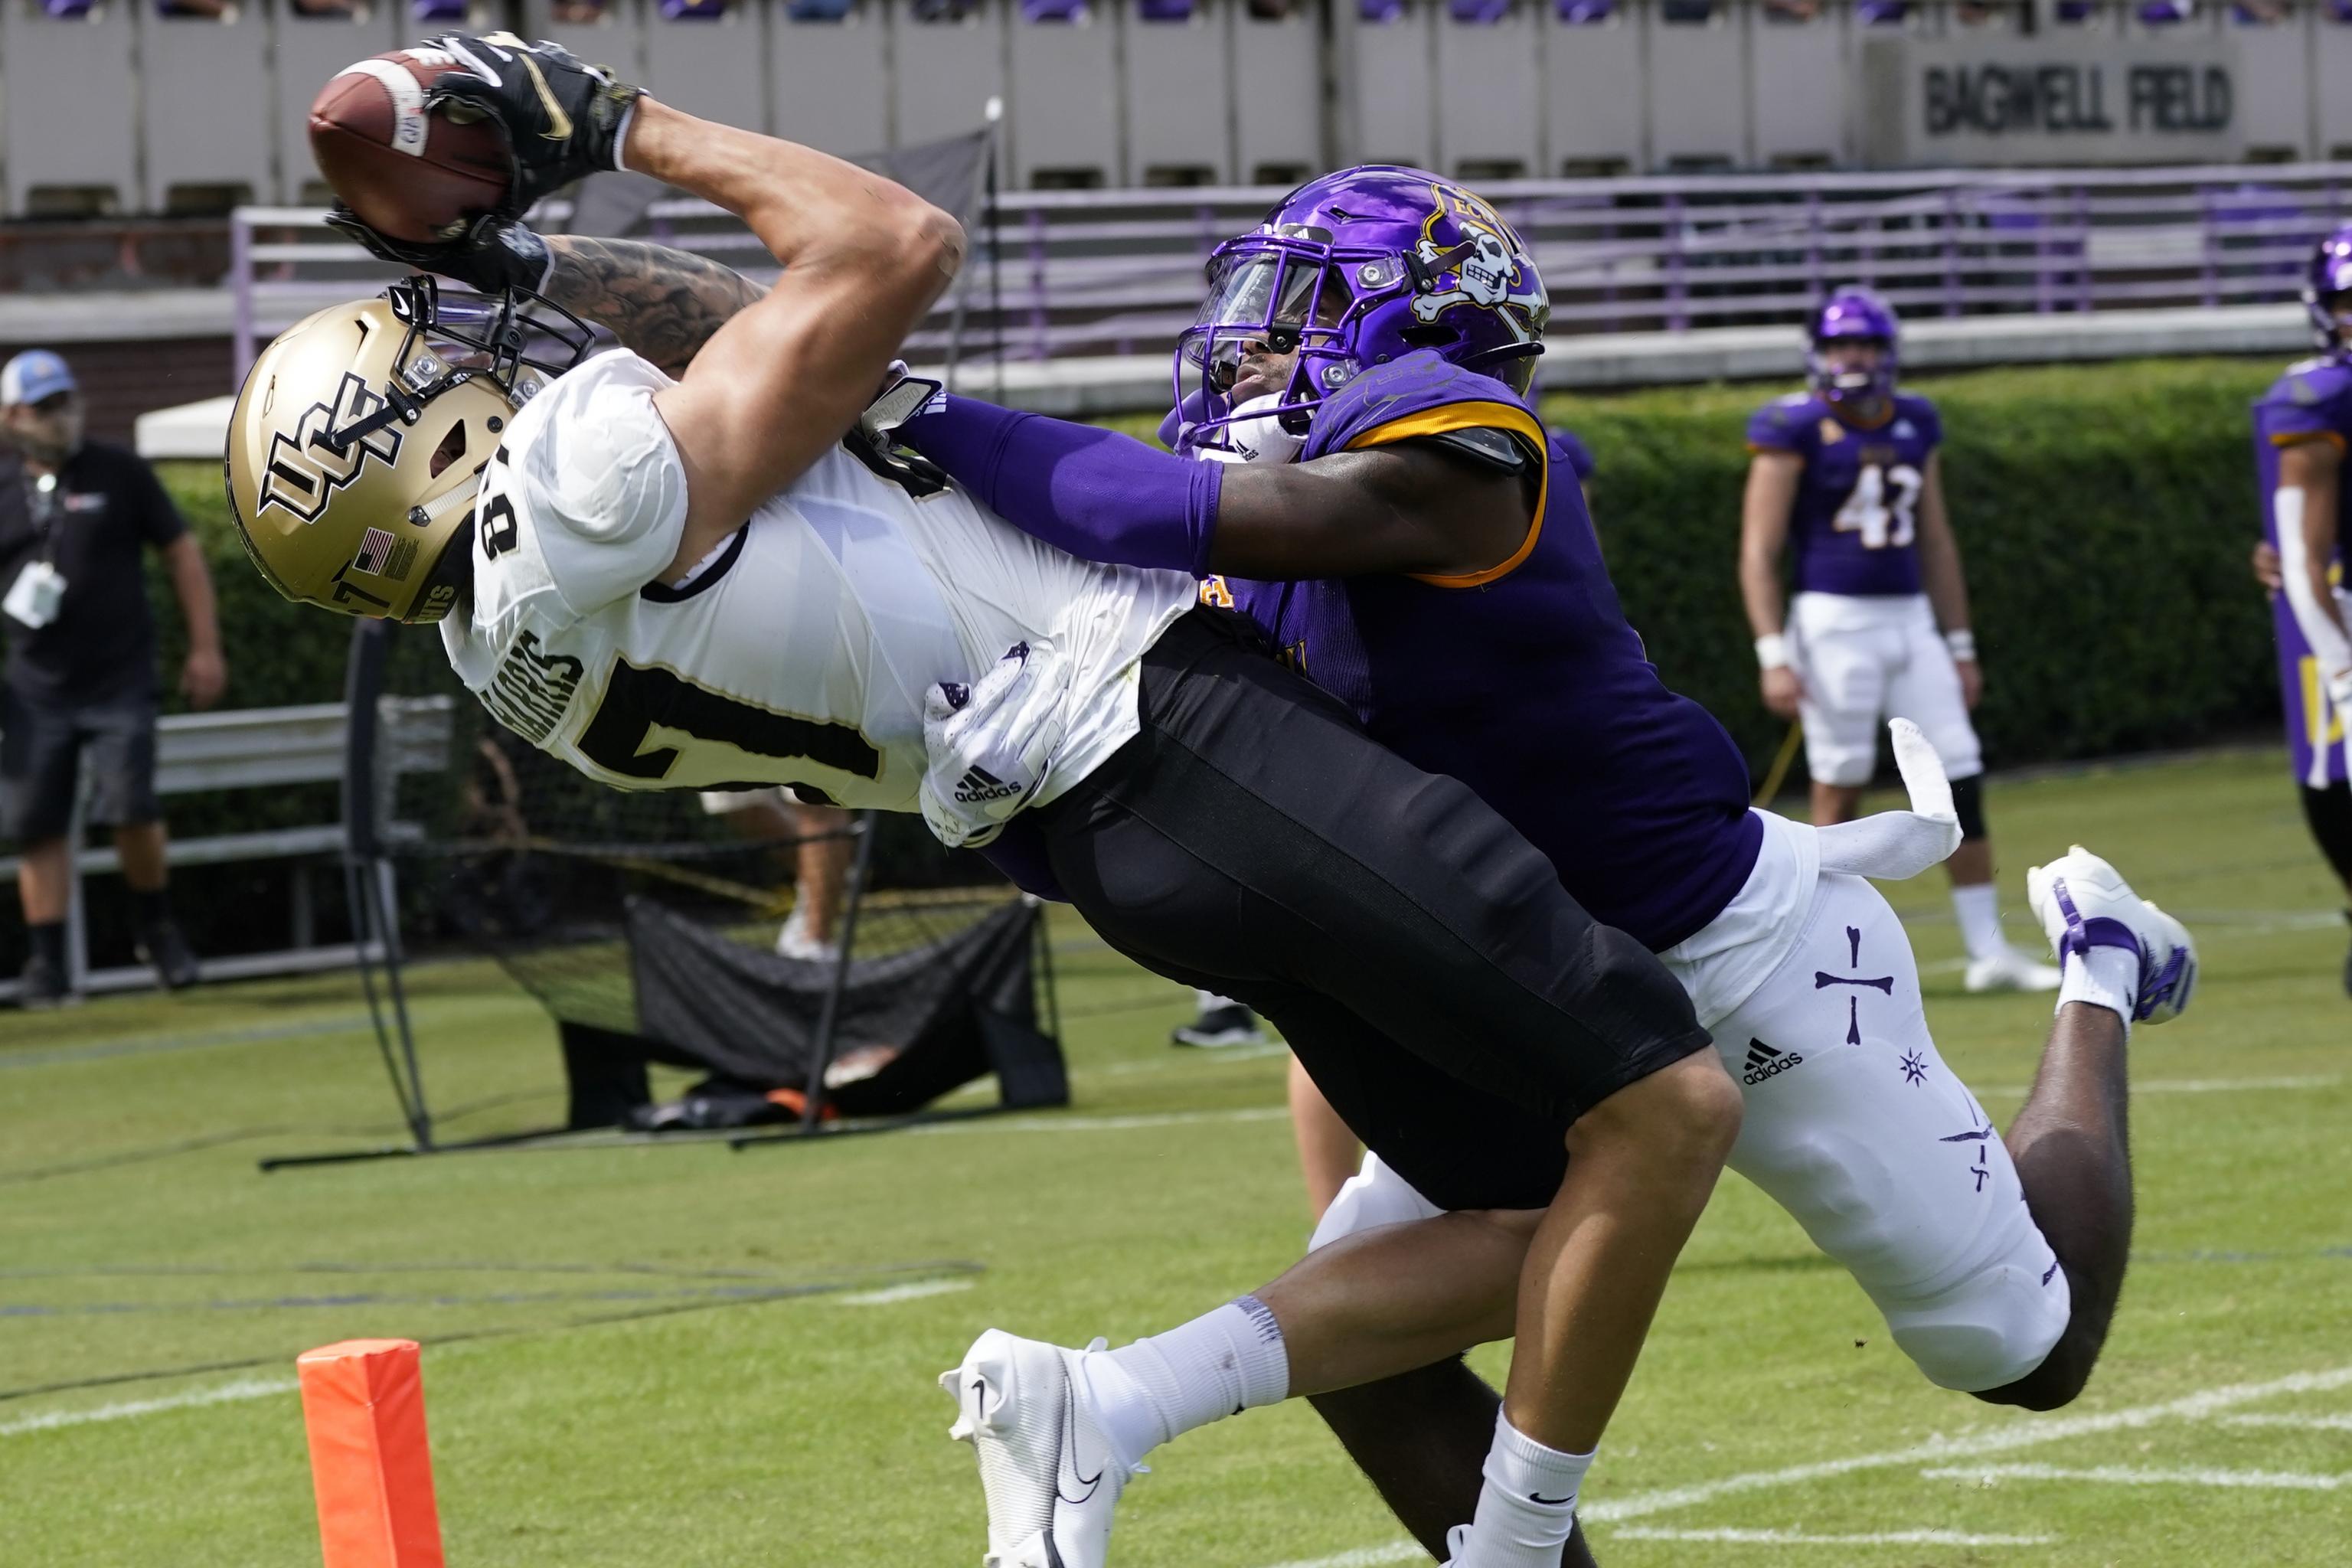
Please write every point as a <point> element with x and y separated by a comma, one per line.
<point>1772,651</point>
<point>1963,645</point>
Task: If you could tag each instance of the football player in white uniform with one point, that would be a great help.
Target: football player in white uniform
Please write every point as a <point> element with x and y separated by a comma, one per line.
<point>686,565</point>
<point>1848,477</point>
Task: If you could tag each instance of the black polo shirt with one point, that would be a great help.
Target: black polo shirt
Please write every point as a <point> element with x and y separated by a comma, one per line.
<point>106,504</point>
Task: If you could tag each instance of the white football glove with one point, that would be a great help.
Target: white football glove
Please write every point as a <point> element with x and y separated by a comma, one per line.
<point>1893,845</point>
<point>991,745</point>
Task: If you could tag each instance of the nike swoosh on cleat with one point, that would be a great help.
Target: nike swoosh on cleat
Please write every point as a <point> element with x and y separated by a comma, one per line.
<point>1069,1451</point>
<point>1551,1501</point>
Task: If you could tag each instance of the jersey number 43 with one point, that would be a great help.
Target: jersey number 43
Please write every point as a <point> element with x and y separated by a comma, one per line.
<point>1883,507</point>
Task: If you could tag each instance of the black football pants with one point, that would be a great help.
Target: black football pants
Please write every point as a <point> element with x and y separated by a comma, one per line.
<point>1455,1005</point>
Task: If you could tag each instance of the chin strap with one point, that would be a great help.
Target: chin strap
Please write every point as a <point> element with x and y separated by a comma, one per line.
<point>1895,845</point>
<point>432,512</point>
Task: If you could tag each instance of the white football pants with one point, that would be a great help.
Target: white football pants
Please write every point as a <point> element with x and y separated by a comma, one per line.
<point>1856,1127</point>
<point>1865,660</point>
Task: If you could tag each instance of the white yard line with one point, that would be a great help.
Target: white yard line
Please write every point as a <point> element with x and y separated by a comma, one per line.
<point>1366,1557</point>
<point>248,1388</point>
<point>1802,1538</point>
<point>2134,1475</point>
<point>2026,1432</point>
<point>2303,1423</point>
<point>2197,1085</point>
<point>913,1292</point>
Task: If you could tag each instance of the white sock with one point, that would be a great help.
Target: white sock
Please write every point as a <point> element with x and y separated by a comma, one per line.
<point>1219,1365</point>
<point>1210,1001</point>
<point>1978,910</point>
<point>1526,1507</point>
<point>2104,977</point>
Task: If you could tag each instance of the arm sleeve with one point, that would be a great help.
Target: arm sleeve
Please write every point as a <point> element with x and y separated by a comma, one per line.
<point>160,522</point>
<point>1095,493</point>
<point>1575,454</point>
<point>1776,427</point>
<point>603,480</point>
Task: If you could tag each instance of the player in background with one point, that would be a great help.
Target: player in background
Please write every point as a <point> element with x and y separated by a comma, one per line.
<point>1466,614</point>
<point>2301,427</point>
<point>821,852</point>
<point>1217,1022</point>
<point>1847,478</point>
<point>721,579</point>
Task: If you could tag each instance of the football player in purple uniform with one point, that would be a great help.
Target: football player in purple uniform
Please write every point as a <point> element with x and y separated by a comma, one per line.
<point>2301,426</point>
<point>1846,476</point>
<point>1381,499</point>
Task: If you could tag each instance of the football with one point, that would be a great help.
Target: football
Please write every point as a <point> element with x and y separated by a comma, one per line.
<point>411,174</point>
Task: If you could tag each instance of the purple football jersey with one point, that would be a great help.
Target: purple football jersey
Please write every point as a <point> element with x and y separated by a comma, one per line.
<point>1854,527</point>
<point>2312,401</point>
<point>1525,681</point>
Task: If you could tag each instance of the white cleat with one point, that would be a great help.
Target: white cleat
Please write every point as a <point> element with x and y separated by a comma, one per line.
<point>2010,970</point>
<point>2082,902</point>
<point>1046,1465</point>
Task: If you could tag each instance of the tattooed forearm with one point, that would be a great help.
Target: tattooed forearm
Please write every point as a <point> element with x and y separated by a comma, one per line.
<point>661,303</point>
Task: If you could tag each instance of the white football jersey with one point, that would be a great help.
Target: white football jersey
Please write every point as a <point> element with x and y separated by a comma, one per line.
<point>800,653</point>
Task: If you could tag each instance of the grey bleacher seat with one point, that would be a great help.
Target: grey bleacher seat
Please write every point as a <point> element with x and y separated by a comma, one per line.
<point>2273,96</point>
<point>1698,85</point>
<point>68,65</point>
<point>1277,93</point>
<point>1393,71</point>
<point>1803,77</point>
<point>611,36</point>
<point>308,50</point>
<point>1177,91</point>
<point>829,74</point>
<point>1489,88</point>
<point>1592,87</point>
<point>709,57</point>
<point>1061,96</point>
<point>205,86</point>
<point>2332,44</point>
<point>950,62</point>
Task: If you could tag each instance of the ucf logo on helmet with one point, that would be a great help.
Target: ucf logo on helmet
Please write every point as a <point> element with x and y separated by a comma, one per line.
<point>303,471</point>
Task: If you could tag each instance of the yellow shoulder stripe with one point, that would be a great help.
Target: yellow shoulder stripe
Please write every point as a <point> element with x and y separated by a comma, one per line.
<point>1478,415</point>
<point>2302,437</point>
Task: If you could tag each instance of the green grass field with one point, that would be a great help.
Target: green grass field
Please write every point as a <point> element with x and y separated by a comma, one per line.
<point>663,1356</point>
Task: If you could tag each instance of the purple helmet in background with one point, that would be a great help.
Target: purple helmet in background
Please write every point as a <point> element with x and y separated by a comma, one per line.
<point>1354,270</point>
<point>1851,314</point>
<point>2328,274</point>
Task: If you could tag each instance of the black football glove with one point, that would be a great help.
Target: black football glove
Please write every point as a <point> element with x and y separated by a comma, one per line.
<point>563,119</point>
<point>493,254</point>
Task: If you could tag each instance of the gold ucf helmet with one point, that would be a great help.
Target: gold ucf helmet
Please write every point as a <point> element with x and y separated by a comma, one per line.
<point>361,435</point>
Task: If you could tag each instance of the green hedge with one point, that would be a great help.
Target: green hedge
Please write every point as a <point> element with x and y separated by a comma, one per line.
<point>2105,514</point>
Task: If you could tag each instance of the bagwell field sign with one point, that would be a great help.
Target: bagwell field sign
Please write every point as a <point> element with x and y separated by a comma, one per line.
<point>2050,100</point>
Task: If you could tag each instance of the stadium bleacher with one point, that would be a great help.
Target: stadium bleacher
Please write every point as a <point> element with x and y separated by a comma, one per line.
<point>203,96</point>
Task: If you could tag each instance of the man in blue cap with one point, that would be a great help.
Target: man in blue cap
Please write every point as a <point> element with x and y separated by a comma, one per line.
<point>81,681</point>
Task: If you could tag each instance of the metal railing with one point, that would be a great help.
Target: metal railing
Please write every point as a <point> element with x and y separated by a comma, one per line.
<point>1063,273</point>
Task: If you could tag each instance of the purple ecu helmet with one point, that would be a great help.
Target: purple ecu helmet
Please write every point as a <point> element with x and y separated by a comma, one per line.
<point>1351,270</point>
<point>2325,283</point>
<point>1851,313</point>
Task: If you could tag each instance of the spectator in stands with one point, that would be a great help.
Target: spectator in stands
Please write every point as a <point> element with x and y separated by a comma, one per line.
<point>81,679</point>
